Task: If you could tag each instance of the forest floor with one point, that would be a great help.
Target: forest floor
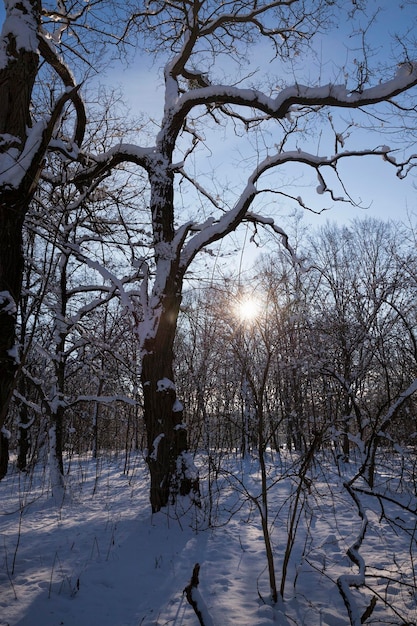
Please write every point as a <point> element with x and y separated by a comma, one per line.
<point>99,558</point>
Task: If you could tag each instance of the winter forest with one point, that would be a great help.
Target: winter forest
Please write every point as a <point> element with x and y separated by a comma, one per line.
<point>208,386</point>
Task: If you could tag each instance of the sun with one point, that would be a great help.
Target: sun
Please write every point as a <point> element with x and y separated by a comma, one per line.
<point>247,309</point>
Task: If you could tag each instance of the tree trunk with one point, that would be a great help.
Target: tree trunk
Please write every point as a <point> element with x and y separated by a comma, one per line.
<point>4,454</point>
<point>23,441</point>
<point>56,469</point>
<point>17,77</point>
<point>11,270</point>
<point>172,471</point>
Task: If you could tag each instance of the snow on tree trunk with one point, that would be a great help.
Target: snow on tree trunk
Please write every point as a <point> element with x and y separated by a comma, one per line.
<point>172,471</point>
<point>55,470</point>
<point>23,438</point>
<point>18,67</point>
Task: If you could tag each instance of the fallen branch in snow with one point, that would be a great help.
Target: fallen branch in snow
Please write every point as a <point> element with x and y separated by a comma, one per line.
<point>346,581</point>
<point>194,598</point>
<point>369,610</point>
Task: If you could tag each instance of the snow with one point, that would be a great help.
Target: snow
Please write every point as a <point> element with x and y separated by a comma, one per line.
<point>5,432</point>
<point>155,446</point>
<point>100,557</point>
<point>20,23</point>
<point>14,163</point>
<point>297,94</point>
<point>178,407</point>
<point>7,302</point>
<point>165,384</point>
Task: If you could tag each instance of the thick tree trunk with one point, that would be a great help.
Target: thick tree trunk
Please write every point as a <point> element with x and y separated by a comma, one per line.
<point>4,454</point>
<point>57,424</point>
<point>11,270</point>
<point>17,77</point>
<point>171,469</point>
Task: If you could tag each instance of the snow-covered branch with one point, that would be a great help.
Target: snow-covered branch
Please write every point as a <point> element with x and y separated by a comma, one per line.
<point>403,397</point>
<point>255,218</point>
<point>95,165</point>
<point>117,282</point>
<point>212,230</point>
<point>345,581</point>
<point>298,96</point>
<point>102,399</point>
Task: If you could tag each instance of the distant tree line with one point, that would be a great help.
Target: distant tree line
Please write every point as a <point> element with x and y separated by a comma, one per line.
<point>333,348</point>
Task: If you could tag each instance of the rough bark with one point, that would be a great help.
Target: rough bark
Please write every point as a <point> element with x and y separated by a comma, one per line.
<point>17,78</point>
<point>4,454</point>
<point>171,473</point>
<point>11,268</point>
<point>163,414</point>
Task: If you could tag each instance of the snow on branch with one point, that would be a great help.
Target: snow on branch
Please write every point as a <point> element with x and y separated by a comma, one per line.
<point>268,221</point>
<point>195,600</point>
<point>213,230</point>
<point>18,166</point>
<point>97,164</point>
<point>14,164</point>
<point>104,399</point>
<point>105,273</point>
<point>301,95</point>
<point>390,414</point>
<point>341,96</point>
<point>345,581</point>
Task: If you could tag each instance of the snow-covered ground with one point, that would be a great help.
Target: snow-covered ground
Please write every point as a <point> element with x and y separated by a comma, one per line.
<point>100,558</point>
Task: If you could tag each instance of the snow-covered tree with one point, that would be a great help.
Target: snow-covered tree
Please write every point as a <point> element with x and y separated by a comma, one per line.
<point>30,32</point>
<point>203,47</point>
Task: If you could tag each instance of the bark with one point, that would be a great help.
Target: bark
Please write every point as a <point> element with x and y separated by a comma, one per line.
<point>17,78</point>
<point>57,423</point>
<point>170,471</point>
<point>58,414</point>
<point>16,83</point>
<point>11,270</point>
<point>24,441</point>
<point>4,454</point>
<point>195,600</point>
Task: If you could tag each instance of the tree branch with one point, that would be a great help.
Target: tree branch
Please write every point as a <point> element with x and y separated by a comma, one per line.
<point>60,68</point>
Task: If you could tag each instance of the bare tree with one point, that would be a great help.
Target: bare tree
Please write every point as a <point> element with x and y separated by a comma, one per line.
<point>32,33</point>
<point>193,38</point>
